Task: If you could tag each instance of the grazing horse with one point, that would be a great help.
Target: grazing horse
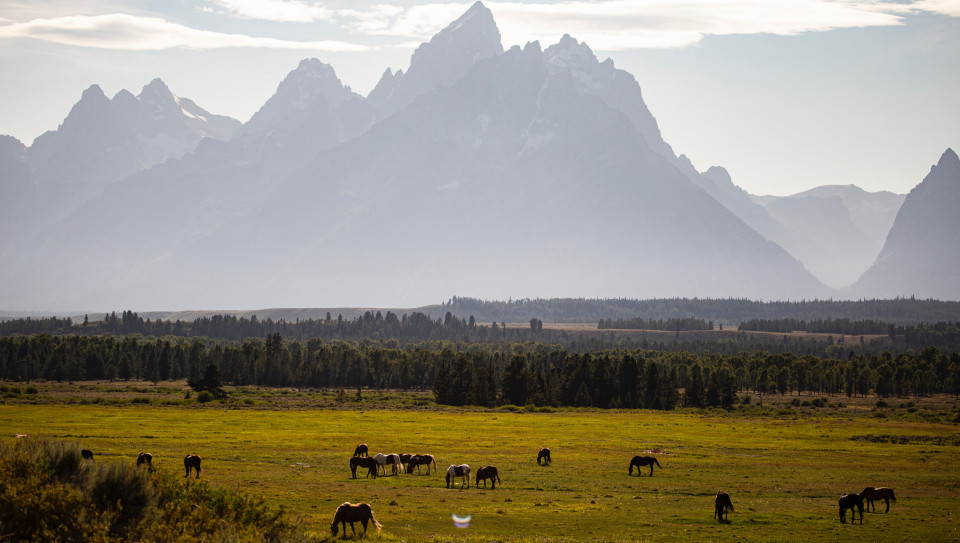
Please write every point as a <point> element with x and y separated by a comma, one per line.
<point>458,470</point>
<point>883,493</point>
<point>851,501</point>
<point>544,455</point>
<point>363,462</point>
<point>350,513</point>
<point>488,472</point>
<point>405,458</point>
<point>383,459</point>
<point>145,458</point>
<point>721,504</point>
<point>86,454</point>
<point>191,461</point>
<point>361,450</point>
<point>421,460</point>
<point>643,461</point>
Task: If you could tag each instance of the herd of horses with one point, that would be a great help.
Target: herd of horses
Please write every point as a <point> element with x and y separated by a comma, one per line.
<point>348,513</point>
<point>190,462</point>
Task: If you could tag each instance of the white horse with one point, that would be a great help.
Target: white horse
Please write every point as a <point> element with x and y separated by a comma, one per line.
<point>393,459</point>
<point>462,471</point>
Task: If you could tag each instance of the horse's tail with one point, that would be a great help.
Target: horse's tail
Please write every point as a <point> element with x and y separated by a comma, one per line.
<point>892,497</point>
<point>498,477</point>
<point>657,463</point>
<point>434,463</point>
<point>376,524</point>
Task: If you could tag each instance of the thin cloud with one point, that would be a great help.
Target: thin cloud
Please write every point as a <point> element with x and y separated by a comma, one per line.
<point>632,24</point>
<point>289,11</point>
<point>129,32</point>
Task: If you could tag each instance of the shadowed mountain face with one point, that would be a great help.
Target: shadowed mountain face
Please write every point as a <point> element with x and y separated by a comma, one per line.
<point>478,172</point>
<point>922,252</point>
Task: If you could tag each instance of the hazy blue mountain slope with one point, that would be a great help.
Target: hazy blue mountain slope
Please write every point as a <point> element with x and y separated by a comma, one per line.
<point>921,255</point>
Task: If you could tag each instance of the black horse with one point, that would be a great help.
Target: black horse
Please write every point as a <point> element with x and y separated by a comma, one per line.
<point>870,494</point>
<point>191,461</point>
<point>544,455</point>
<point>363,462</point>
<point>642,461</point>
<point>488,472</point>
<point>720,506</point>
<point>145,458</point>
<point>350,513</point>
<point>361,450</point>
<point>86,454</point>
<point>853,502</point>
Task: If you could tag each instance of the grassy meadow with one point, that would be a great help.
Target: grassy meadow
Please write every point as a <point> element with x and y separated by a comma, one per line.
<point>784,471</point>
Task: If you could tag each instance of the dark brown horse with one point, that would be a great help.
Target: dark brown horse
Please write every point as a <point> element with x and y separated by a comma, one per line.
<point>642,461</point>
<point>145,458</point>
<point>86,454</point>
<point>883,493</point>
<point>720,506</point>
<point>363,462</point>
<point>853,502</point>
<point>488,472</point>
<point>361,450</point>
<point>421,460</point>
<point>191,461</point>
<point>350,513</point>
<point>544,455</point>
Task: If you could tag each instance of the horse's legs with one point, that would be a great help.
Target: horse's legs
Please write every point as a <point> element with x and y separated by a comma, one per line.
<point>886,499</point>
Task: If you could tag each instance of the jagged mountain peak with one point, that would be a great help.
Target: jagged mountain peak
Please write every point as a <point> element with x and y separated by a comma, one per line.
<point>922,250</point>
<point>948,159</point>
<point>442,61</point>
<point>313,84</point>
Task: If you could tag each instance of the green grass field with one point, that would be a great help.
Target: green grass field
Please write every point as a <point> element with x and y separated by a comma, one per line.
<point>784,474</point>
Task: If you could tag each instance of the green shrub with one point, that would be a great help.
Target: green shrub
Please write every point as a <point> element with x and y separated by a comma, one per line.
<point>31,390</point>
<point>140,400</point>
<point>204,396</point>
<point>47,494</point>
<point>4,388</point>
<point>881,403</point>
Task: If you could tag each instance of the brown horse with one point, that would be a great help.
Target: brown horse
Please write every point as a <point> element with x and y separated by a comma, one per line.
<point>191,461</point>
<point>544,455</point>
<point>720,506</point>
<point>488,472</point>
<point>853,502</point>
<point>883,493</point>
<point>361,450</point>
<point>363,462</point>
<point>145,458</point>
<point>643,461</point>
<point>421,460</point>
<point>350,513</point>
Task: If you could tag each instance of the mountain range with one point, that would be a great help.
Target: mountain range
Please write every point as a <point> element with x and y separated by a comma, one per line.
<point>478,171</point>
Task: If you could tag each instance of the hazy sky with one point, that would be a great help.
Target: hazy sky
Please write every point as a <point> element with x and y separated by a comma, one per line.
<point>786,94</point>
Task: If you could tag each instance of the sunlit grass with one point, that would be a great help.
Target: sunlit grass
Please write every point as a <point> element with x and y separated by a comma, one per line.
<point>784,474</point>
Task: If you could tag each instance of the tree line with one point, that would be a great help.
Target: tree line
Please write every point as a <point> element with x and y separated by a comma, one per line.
<point>726,311</point>
<point>419,327</point>
<point>640,323</point>
<point>483,374</point>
